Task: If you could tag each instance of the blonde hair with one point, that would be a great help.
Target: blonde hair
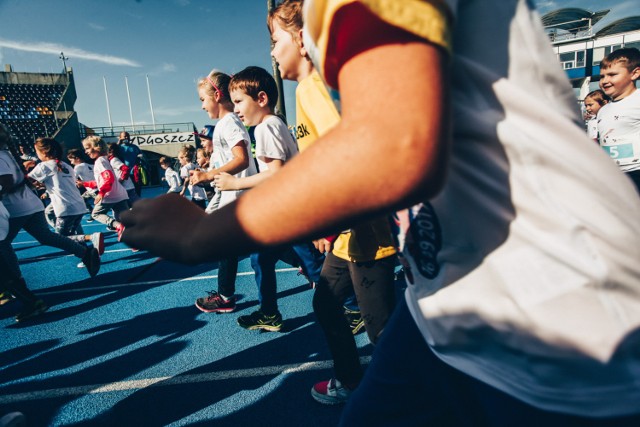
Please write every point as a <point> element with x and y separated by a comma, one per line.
<point>96,143</point>
<point>216,81</point>
<point>288,14</point>
<point>188,151</point>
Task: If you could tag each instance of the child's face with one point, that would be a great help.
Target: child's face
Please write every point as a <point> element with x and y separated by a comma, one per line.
<point>286,52</point>
<point>182,159</point>
<point>591,106</point>
<point>208,103</point>
<point>73,160</point>
<point>164,166</point>
<point>90,151</point>
<point>201,159</point>
<point>618,82</point>
<point>250,111</point>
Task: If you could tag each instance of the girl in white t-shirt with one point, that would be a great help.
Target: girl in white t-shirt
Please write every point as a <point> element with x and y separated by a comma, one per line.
<point>59,180</point>
<point>84,172</point>
<point>122,172</point>
<point>593,102</point>
<point>230,148</point>
<point>186,157</point>
<point>111,194</point>
<point>27,212</point>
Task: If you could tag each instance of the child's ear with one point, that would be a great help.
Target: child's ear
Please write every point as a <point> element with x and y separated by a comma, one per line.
<point>263,98</point>
<point>300,41</point>
<point>635,74</point>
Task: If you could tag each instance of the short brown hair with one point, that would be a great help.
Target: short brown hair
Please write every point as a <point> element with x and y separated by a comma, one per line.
<point>289,16</point>
<point>253,80</point>
<point>628,57</point>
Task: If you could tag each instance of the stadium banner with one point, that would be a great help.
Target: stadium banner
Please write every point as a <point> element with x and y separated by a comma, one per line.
<point>164,139</point>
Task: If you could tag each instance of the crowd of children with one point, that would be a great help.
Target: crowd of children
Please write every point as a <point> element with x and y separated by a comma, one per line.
<point>522,269</point>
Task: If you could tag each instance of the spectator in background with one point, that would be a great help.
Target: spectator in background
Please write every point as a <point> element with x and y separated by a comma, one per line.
<point>131,157</point>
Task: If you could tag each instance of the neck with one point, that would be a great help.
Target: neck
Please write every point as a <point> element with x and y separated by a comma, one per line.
<point>224,109</point>
<point>306,68</point>
<point>626,93</point>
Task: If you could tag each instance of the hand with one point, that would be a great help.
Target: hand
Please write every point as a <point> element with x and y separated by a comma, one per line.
<point>164,226</point>
<point>323,245</point>
<point>197,177</point>
<point>225,182</point>
<point>98,199</point>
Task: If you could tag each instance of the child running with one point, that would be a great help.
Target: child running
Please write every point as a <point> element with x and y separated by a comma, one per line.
<point>593,102</point>
<point>522,304</point>
<point>171,177</point>
<point>360,260</point>
<point>84,172</point>
<point>122,171</point>
<point>254,94</point>
<point>619,120</point>
<point>111,194</point>
<point>27,212</point>
<point>230,153</point>
<point>60,183</point>
<point>186,157</point>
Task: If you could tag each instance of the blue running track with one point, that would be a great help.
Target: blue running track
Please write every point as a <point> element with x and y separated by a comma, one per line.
<point>129,348</point>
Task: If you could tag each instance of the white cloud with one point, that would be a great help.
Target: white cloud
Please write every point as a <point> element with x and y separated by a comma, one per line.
<point>96,27</point>
<point>169,68</point>
<point>71,52</point>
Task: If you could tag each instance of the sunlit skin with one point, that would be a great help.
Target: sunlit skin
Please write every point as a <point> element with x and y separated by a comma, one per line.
<point>591,106</point>
<point>251,111</point>
<point>287,50</point>
<point>617,81</point>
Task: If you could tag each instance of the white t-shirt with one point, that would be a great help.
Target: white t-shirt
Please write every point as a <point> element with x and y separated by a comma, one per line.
<point>4,221</point>
<point>84,171</point>
<point>230,131</point>
<point>117,165</point>
<point>619,129</point>
<point>273,141</point>
<point>523,272</point>
<point>117,192</point>
<point>197,192</point>
<point>23,201</point>
<point>173,180</point>
<point>61,187</point>
<point>592,128</point>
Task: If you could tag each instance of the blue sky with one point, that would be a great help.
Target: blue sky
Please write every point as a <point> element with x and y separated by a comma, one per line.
<point>174,42</point>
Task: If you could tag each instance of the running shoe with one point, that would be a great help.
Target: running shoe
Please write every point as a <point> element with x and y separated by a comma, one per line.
<point>80,264</point>
<point>5,297</point>
<point>91,260</point>
<point>354,318</point>
<point>259,320</point>
<point>97,240</point>
<point>215,303</point>
<point>330,392</point>
<point>34,310</point>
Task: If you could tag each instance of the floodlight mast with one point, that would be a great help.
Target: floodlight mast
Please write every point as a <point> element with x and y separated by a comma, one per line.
<point>280,108</point>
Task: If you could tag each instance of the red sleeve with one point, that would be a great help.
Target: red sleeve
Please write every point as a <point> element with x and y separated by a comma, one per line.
<point>125,172</point>
<point>90,184</point>
<point>109,178</point>
<point>354,30</point>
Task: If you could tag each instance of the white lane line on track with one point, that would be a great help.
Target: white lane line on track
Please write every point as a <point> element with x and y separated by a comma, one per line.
<point>153,282</point>
<point>169,381</point>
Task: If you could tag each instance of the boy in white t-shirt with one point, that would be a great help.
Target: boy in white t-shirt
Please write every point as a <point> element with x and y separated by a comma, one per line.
<point>619,120</point>
<point>254,94</point>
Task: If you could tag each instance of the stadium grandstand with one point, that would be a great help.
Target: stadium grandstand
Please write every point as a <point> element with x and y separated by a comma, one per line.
<point>580,44</point>
<point>34,105</point>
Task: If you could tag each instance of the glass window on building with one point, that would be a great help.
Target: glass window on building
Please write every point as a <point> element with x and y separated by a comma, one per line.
<point>600,52</point>
<point>572,59</point>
